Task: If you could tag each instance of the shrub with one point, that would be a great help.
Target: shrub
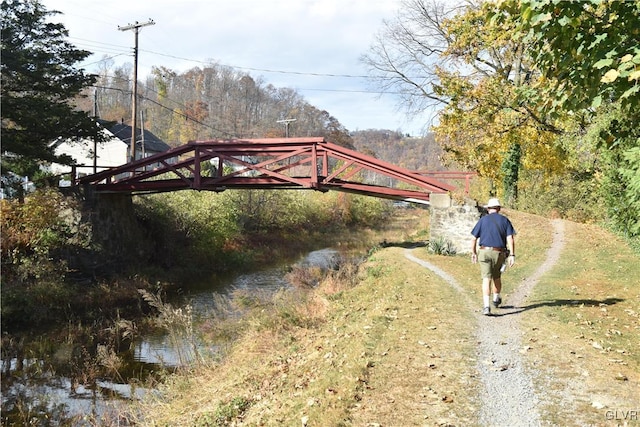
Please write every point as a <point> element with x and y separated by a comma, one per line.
<point>32,231</point>
<point>441,246</point>
<point>226,414</point>
<point>573,195</point>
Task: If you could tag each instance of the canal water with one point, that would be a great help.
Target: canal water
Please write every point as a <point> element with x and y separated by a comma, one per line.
<point>58,385</point>
<point>203,298</point>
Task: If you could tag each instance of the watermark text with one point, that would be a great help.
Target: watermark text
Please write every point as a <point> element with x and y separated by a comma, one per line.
<point>623,415</point>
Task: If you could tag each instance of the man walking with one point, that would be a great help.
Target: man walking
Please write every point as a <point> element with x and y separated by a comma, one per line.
<point>495,233</point>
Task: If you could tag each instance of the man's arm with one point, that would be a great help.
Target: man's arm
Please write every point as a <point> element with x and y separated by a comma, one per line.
<point>511,245</point>
<point>474,254</point>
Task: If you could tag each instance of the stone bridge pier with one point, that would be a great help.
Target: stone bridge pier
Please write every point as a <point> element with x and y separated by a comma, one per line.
<point>453,221</point>
<point>115,228</point>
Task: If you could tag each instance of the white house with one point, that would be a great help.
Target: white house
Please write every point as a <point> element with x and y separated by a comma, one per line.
<point>113,152</point>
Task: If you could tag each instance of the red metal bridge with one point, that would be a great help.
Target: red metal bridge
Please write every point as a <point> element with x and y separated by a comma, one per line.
<point>273,163</point>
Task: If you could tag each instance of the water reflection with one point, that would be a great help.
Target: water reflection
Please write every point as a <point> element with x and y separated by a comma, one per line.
<point>64,389</point>
<point>48,398</point>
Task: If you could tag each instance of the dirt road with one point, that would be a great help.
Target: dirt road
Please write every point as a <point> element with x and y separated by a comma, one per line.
<point>507,396</point>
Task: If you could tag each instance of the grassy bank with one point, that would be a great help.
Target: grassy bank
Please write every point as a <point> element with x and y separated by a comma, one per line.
<point>365,345</point>
<point>584,330</point>
<point>390,344</point>
<point>54,270</point>
<point>356,355</point>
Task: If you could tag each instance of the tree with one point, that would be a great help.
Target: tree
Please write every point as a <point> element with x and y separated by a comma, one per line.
<point>408,52</point>
<point>588,52</point>
<point>449,54</point>
<point>510,171</point>
<point>38,84</point>
<point>589,56</point>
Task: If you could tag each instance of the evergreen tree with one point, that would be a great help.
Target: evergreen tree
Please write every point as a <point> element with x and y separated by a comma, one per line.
<point>39,82</point>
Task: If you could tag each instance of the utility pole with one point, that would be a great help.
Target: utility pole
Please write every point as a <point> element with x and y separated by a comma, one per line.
<point>286,126</point>
<point>95,140</point>
<point>134,97</point>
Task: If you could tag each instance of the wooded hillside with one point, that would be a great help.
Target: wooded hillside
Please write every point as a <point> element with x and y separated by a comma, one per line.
<point>220,102</point>
<point>207,103</point>
<point>413,153</point>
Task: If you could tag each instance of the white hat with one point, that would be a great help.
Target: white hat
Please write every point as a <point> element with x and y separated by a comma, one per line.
<point>493,203</point>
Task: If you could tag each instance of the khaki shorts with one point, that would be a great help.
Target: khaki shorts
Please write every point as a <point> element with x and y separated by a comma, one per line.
<point>490,263</point>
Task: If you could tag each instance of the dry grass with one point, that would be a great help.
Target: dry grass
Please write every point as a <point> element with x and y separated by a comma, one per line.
<point>388,351</point>
<point>421,347</point>
<point>391,344</point>
<point>584,328</point>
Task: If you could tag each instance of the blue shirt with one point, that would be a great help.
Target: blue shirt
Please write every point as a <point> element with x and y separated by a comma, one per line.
<point>493,229</point>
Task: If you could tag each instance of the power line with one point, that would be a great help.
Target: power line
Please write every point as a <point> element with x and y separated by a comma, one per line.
<point>103,59</point>
<point>179,104</point>
<point>373,92</point>
<point>240,67</point>
<point>127,48</point>
<point>264,70</point>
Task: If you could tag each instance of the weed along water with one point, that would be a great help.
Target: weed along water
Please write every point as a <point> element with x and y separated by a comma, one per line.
<point>212,299</point>
<point>73,384</point>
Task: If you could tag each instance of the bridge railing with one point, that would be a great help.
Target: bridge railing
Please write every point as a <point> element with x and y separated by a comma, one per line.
<point>271,163</point>
<point>455,176</point>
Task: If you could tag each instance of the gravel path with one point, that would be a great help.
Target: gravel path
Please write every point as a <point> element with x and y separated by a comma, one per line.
<point>507,396</point>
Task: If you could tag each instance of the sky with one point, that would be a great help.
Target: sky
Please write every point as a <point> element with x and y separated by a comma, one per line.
<point>313,46</point>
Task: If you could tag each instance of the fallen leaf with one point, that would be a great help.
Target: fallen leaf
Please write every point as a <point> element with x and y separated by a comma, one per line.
<point>621,377</point>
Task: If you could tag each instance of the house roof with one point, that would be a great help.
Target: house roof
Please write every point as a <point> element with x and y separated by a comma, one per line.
<point>123,132</point>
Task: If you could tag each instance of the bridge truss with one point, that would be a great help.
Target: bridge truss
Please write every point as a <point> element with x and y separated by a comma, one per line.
<point>273,163</point>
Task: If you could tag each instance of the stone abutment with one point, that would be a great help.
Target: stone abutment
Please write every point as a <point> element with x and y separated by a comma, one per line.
<point>452,221</point>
